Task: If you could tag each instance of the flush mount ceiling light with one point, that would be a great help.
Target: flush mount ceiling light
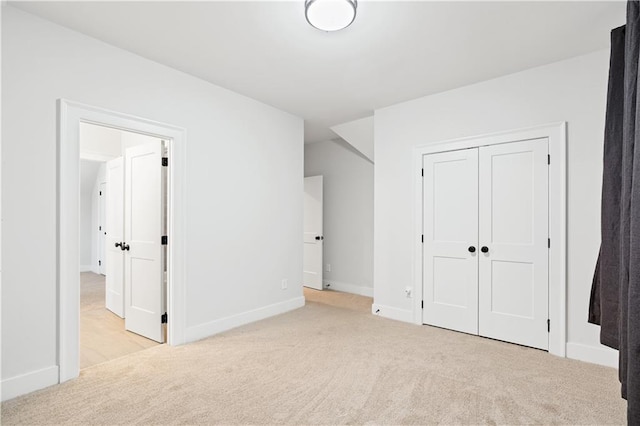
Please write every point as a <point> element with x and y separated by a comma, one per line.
<point>330,15</point>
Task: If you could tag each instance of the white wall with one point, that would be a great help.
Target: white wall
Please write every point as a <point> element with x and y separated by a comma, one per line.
<point>574,91</point>
<point>348,214</point>
<point>244,187</point>
<point>88,174</point>
<point>85,233</point>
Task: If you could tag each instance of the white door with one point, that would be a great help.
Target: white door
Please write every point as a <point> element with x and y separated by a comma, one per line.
<point>102,228</point>
<point>114,292</point>
<point>143,269</point>
<point>450,223</point>
<point>514,224</point>
<point>313,238</point>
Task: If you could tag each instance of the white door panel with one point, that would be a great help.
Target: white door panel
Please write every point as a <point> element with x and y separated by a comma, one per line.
<point>312,237</point>
<point>114,292</point>
<point>102,229</point>
<point>513,226</point>
<point>450,224</point>
<point>143,269</point>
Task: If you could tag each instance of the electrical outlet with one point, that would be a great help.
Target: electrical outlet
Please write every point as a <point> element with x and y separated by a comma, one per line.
<point>327,268</point>
<point>285,284</point>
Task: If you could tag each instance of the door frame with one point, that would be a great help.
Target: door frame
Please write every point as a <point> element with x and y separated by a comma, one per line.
<point>70,114</point>
<point>556,133</point>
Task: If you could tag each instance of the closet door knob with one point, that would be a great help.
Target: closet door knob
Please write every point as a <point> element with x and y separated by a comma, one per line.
<point>125,247</point>
<point>472,249</point>
<point>119,245</point>
<point>484,249</point>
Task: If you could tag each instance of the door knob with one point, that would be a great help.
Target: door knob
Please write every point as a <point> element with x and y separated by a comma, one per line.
<point>484,249</point>
<point>318,238</point>
<point>125,246</point>
<point>119,245</point>
<point>472,249</point>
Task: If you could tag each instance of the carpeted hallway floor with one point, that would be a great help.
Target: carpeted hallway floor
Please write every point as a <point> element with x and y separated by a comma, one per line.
<point>327,364</point>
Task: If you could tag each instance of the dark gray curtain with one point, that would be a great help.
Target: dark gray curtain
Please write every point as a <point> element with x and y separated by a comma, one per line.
<point>615,293</point>
<point>606,288</point>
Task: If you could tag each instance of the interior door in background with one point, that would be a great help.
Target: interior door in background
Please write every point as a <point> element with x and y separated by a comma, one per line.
<point>313,238</point>
<point>514,232</point>
<point>144,260</point>
<point>102,228</point>
<point>114,208</point>
<point>450,223</point>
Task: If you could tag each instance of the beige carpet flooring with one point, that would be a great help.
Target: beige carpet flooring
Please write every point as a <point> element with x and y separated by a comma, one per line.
<point>102,333</point>
<point>326,364</point>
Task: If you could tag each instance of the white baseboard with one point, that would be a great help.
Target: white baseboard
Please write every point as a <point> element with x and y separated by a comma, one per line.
<point>348,288</point>
<point>392,313</point>
<point>29,382</point>
<point>86,268</point>
<point>208,329</point>
<point>595,355</point>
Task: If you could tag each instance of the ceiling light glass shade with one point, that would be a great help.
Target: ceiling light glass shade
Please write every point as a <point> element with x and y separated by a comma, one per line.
<point>330,15</point>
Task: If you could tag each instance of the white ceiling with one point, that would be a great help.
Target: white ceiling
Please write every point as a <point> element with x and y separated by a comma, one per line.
<point>393,52</point>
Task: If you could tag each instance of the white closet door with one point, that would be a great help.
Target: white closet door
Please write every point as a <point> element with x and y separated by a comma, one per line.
<point>114,294</point>
<point>143,269</point>
<point>450,240</point>
<point>514,223</point>
<point>313,238</point>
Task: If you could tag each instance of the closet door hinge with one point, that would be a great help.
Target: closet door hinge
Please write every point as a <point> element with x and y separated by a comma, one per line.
<point>549,242</point>
<point>164,318</point>
<point>101,193</point>
<point>165,240</point>
<point>548,158</point>
<point>165,161</point>
<point>548,326</point>
<point>99,262</point>
<point>422,173</point>
<point>422,305</point>
<point>422,238</point>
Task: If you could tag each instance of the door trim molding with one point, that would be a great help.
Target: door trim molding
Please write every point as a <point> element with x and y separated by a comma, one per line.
<point>556,133</point>
<point>70,114</point>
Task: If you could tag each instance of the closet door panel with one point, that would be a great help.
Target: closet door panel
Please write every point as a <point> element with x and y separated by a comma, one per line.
<point>450,223</point>
<point>513,226</point>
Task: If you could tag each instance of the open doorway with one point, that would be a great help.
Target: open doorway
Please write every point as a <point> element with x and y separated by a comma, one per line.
<point>123,195</point>
<point>70,115</point>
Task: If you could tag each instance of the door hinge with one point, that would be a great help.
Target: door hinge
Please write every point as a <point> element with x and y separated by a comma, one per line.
<point>422,239</point>
<point>164,240</point>
<point>422,305</point>
<point>422,172</point>
<point>165,161</point>
<point>99,262</point>
<point>164,318</point>
<point>548,326</point>
<point>549,242</point>
<point>99,228</point>
<point>548,159</point>
<point>101,193</point>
